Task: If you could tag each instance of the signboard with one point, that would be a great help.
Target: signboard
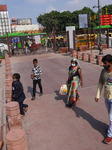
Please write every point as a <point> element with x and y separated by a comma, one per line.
<point>83,21</point>
<point>71,38</point>
<point>106,19</point>
<point>37,39</point>
<point>27,21</point>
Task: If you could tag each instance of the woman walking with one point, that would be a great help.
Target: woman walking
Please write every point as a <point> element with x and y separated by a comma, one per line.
<point>74,78</point>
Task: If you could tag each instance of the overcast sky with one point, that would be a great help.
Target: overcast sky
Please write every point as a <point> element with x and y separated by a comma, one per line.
<point>33,8</point>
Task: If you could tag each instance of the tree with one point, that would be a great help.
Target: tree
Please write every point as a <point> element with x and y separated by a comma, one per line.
<point>67,18</point>
<point>109,9</point>
<point>49,20</point>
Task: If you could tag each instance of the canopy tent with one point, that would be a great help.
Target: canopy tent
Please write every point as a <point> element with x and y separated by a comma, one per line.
<point>103,27</point>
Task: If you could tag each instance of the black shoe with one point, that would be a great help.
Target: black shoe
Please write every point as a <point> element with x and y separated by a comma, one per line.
<point>33,98</point>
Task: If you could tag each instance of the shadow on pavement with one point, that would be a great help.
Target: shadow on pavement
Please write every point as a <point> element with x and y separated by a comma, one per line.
<point>30,90</point>
<point>60,97</point>
<point>96,124</point>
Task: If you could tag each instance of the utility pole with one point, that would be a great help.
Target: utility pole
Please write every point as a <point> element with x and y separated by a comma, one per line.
<point>100,44</point>
<point>90,29</point>
<point>54,43</point>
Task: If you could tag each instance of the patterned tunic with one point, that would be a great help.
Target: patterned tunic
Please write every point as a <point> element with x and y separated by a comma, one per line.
<point>37,71</point>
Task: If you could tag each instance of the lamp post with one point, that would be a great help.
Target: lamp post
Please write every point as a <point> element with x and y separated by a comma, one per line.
<point>100,44</point>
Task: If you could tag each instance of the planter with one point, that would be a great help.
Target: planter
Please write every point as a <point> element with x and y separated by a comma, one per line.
<point>63,49</point>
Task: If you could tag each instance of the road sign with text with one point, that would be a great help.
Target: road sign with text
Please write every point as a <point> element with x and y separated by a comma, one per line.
<point>106,19</point>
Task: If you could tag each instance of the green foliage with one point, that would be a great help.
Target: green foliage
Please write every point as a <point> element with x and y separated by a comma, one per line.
<point>109,10</point>
<point>60,20</point>
<point>2,57</point>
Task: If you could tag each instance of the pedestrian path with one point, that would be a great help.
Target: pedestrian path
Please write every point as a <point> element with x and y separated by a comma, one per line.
<point>49,124</point>
<point>2,103</point>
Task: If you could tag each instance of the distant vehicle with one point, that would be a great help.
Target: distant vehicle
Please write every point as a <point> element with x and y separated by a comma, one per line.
<point>3,47</point>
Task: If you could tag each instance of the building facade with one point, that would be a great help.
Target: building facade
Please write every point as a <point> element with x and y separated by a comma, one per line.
<point>34,28</point>
<point>4,20</point>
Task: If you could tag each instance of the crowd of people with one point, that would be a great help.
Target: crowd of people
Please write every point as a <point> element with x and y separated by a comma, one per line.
<point>27,47</point>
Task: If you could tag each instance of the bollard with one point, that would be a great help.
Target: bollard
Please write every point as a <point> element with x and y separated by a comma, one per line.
<point>8,90</point>
<point>8,69</point>
<point>8,66</point>
<point>12,109</point>
<point>78,55</point>
<point>16,140</point>
<point>8,83</point>
<point>15,122</point>
<point>99,60</point>
<point>84,56</point>
<point>8,74</point>
<point>74,54</point>
<point>7,62</point>
<point>8,93</point>
<point>91,58</point>
<point>13,113</point>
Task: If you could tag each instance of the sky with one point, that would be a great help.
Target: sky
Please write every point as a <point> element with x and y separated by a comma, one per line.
<point>33,8</point>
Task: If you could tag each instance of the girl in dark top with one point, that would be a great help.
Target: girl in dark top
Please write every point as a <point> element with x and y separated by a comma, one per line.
<point>18,93</point>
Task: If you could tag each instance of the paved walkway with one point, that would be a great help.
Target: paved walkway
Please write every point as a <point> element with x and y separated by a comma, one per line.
<point>49,124</point>
<point>2,103</point>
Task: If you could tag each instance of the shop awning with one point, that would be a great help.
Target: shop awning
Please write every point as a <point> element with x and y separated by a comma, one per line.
<point>103,27</point>
<point>18,34</point>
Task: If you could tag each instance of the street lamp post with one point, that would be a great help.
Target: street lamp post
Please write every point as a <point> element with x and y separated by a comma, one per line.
<point>100,44</point>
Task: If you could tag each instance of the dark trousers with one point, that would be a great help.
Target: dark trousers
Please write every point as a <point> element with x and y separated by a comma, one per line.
<point>35,82</point>
<point>12,52</point>
<point>22,107</point>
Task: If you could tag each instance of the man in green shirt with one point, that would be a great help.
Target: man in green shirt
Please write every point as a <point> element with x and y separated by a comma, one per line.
<point>106,81</point>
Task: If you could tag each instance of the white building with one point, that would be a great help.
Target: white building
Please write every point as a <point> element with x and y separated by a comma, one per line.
<point>4,20</point>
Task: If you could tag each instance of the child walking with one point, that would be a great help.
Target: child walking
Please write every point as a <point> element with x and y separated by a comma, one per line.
<point>18,93</point>
<point>36,77</point>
